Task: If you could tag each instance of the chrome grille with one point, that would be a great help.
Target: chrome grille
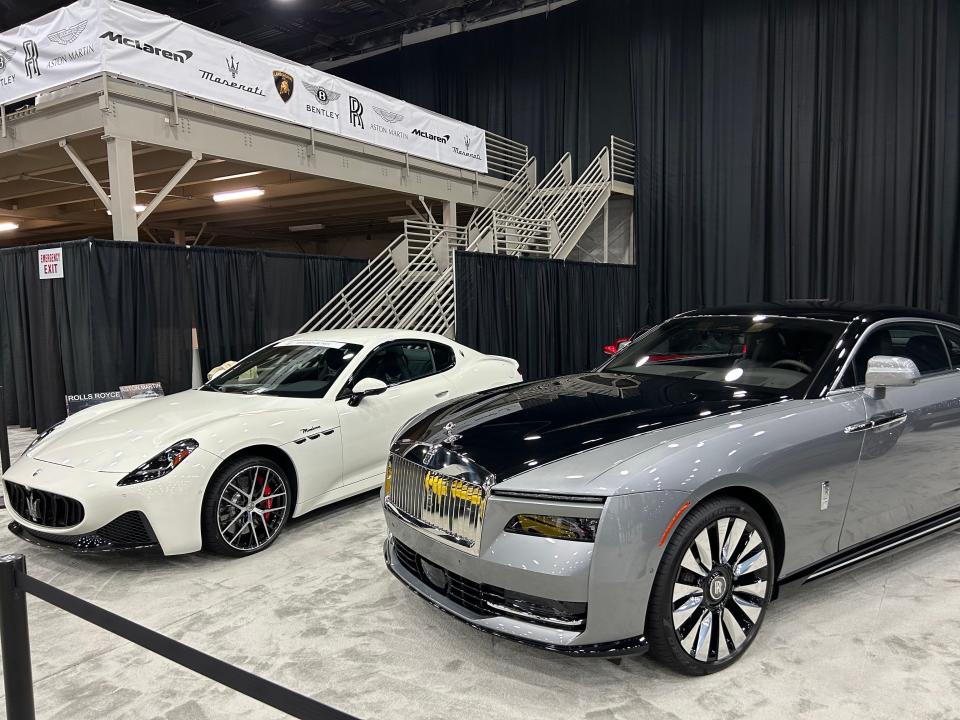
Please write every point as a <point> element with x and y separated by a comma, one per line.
<point>450,508</point>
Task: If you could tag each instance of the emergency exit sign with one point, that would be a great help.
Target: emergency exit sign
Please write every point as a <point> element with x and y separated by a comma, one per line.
<point>51,263</point>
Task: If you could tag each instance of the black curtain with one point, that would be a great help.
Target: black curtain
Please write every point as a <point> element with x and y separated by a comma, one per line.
<point>45,334</point>
<point>552,317</point>
<point>786,148</point>
<point>142,310</point>
<point>246,299</point>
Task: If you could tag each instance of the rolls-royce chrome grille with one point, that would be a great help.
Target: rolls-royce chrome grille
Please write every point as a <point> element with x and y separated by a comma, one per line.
<point>450,508</point>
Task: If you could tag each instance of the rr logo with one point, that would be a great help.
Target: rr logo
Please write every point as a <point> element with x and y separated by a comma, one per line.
<point>31,58</point>
<point>356,112</point>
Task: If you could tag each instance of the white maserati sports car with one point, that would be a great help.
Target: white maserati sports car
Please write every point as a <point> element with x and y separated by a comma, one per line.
<point>301,423</point>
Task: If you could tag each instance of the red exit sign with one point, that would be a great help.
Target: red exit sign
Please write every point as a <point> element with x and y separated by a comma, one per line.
<point>51,263</point>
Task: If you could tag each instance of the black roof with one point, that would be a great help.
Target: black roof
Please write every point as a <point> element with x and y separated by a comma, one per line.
<point>824,310</point>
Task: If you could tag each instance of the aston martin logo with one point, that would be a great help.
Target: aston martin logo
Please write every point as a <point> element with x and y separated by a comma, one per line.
<point>5,57</point>
<point>387,116</point>
<point>284,84</point>
<point>33,507</point>
<point>67,35</point>
<point>321,93</point>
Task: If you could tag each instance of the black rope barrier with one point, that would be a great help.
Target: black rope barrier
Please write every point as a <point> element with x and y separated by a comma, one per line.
<point>15,583</point>
<point>4,440</point>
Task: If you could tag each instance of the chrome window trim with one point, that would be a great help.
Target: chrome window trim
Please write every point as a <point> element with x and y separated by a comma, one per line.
<point>891,321</point>
<point>344,392</point>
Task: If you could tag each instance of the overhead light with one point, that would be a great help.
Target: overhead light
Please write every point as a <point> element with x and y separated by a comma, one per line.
<point>402,218</point>
<point>237,175</point>
<point>303,228</point>
<point>237,195</point>
<point>139,207</point>
<point>8,226</point>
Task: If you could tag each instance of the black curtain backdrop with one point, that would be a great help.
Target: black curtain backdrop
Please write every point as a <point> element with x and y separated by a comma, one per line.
<point>552,317</point>
<point>246,299</point>
<point>786,148</point>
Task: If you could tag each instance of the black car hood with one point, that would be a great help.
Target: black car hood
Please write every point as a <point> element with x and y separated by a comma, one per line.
<point>501,433</point>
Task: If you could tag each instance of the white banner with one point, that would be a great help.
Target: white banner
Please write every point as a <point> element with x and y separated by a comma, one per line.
<point>92,36</point>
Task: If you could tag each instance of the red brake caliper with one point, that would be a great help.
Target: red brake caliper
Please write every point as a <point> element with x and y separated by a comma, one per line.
<point>269,503</point>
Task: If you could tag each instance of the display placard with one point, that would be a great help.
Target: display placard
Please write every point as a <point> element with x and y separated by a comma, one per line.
<point>51,263</point>
<point>76,403</point>
<point>94,36</point>
<point>141,391</point>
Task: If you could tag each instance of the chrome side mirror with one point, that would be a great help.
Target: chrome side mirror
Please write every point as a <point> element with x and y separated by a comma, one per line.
<point>366,388</point>
<point>885,371</point>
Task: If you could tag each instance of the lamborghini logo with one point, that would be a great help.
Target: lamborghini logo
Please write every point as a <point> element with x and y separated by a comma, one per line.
<point>284,84</point>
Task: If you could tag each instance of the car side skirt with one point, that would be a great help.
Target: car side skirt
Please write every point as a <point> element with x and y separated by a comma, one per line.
<point>872,549</point>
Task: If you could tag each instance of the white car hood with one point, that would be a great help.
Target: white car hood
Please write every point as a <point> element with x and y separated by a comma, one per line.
<point>121,435</point>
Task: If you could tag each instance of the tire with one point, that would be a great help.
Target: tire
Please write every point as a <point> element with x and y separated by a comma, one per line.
<point>712,589</point>
<point>244,508</point>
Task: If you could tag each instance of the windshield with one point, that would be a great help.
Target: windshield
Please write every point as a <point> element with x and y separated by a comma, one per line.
<point>289,368</point>
<point>768,352</point>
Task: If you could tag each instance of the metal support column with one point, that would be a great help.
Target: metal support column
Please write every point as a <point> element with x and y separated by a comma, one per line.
<point>15,641</point>
<point>123,196</point>
<point>449,213</point>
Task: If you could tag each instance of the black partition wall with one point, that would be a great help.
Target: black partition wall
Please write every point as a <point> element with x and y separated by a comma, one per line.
<point>553,317</point>
<point>123,314</point>
<point>785,148</point>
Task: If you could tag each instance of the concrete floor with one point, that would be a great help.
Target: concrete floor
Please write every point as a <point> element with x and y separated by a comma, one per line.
<point>319,613</point>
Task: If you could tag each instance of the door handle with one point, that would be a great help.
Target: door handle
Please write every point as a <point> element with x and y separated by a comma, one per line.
<point>880,421</point>
<point>441,393</point>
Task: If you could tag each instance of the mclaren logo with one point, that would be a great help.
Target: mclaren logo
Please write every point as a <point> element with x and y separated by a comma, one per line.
<point>180,56</point>
<point>284,84</point>
<point>67,35</point>
<point>322,94</point>
<point>442,139</point>
<point>387,116</point>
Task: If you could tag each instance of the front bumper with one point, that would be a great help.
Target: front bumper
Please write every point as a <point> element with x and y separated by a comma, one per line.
<point>170,506</point>
<point>535,635</point>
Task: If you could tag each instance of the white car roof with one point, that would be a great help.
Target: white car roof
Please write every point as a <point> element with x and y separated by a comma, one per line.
<point>369,336</point>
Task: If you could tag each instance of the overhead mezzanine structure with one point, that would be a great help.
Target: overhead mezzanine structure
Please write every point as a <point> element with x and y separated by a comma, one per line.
<point>105,106</point>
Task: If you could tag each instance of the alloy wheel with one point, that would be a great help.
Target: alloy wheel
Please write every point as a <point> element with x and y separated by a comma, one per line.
<point>720,590</point>
<point>252,508</point>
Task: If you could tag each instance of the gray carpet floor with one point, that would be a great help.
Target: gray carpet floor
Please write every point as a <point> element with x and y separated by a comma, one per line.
<point>319,612</point>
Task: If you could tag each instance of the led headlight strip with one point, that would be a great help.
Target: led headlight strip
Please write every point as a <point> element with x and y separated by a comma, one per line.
<point>162,464</point>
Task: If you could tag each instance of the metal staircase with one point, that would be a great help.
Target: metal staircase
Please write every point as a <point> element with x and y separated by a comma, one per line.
<point>410,284</point>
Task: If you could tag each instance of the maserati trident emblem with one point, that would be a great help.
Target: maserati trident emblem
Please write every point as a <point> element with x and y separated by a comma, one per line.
<point>33,507</point>
<point>233,66</point>
<point>284,84</point>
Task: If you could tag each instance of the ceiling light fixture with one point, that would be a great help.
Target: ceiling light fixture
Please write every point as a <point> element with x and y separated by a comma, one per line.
<point>8,226</point>
<point>303,228</point>
<point>139,207</point>
<point>246,194</point>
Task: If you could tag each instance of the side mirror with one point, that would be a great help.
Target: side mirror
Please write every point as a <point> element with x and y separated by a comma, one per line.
<point>885,371</point>
<point>365,388</point>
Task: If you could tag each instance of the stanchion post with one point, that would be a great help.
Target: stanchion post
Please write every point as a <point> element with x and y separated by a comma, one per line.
<point>15,641</point>
<point>4,442</point>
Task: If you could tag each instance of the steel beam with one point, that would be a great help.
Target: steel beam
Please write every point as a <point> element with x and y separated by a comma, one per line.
<point>171,184</point>
<point>87,175</point>
<point>123,196</point>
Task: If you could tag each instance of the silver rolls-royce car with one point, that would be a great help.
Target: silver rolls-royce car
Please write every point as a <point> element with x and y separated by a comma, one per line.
<point>662,501</point>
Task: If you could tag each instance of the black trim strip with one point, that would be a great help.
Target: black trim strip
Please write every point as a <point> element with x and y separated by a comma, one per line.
<point>616,648</point>
<point>875,547</point>
<point>107,547</point>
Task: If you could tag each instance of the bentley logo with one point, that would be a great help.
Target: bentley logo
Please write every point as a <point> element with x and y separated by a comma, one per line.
<point>33,507</point>
<point>387,116</point>
<point>5,57</point>
<point>284,84</point>
<point>233,66</point>
<point>67,35</point>
<point>323,95</point>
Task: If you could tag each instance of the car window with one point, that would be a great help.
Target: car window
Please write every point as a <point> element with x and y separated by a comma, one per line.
<point>780,353</point>
<point>290,368</point>
<point>398,362</point>
<point>952,338</point>
<point>444,357</point>
<point>919,342</point>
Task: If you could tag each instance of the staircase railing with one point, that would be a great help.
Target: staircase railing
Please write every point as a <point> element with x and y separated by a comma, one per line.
<point>622,160</point>
<point>505,157</point>
<point>580,204</point>
<point>520,235</point>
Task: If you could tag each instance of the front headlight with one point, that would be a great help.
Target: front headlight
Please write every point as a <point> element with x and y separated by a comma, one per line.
<point>162,464</point>
<point>41,437</point>
<point>557,528</point>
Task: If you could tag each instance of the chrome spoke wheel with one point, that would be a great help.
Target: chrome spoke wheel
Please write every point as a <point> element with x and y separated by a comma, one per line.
<point>720,590</point>
<point>252,508</point>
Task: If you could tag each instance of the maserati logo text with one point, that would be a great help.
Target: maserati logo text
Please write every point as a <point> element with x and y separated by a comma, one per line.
<point>233,67</point>
<point>180,56</point>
